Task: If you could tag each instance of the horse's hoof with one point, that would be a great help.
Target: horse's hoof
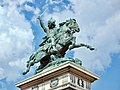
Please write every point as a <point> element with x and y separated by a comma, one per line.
<point>24,73</point>
<point>38,71</point>
<point>28,61</point>
<point>92,48</point>
<point>27,65</point>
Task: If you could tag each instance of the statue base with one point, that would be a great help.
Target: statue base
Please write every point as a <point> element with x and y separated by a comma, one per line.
<point>57,62</point>
<point>66,76</point>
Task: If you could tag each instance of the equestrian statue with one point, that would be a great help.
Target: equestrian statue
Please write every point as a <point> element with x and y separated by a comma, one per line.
<point>53,48</point>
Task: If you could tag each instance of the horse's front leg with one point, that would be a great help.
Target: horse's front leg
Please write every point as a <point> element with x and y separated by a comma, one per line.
<point>81,45</point>
<point>87,46</point>
<point>28,67</point>
<point>27,70</point>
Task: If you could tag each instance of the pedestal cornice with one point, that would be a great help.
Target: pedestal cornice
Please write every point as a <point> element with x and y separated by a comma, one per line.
<point>67,67</point>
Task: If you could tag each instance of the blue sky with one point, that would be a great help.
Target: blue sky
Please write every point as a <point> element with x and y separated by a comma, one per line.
<point>20,35</point>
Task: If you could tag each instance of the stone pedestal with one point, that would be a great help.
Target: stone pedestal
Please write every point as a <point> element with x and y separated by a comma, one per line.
<point>67,76</point>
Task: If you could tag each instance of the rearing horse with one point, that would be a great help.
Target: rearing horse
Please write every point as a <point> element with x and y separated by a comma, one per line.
<point>64,40</point>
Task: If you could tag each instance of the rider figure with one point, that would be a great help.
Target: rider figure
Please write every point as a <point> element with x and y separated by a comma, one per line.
<point>51,32</point>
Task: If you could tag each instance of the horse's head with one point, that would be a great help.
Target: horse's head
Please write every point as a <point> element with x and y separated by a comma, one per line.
<point>72,24</point>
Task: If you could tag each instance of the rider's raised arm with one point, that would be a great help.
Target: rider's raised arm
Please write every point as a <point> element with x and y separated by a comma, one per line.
<point>42,24</point>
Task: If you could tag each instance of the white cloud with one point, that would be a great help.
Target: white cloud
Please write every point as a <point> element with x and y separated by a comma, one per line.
<point>99,22</point>
<point>54,1</point>
<point>106,42</point>
<point>36,14</point>
<point>2,86</point>
<point>35,11</point>
<point>16,39</point>
<point>14,2</point>
<point>1,73</point>
<point>28,8</point>
<point>56,9</point>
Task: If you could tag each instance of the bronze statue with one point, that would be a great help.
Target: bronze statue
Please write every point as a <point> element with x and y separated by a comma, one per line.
<point>55,44</point>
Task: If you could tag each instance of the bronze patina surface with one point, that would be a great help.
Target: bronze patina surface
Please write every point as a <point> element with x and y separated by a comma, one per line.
<point>53,48</point>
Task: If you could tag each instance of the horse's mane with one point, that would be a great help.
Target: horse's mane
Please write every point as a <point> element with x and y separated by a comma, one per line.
<point>61,24</point>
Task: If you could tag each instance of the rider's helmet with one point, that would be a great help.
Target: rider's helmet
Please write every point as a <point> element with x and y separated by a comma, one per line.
<point>51,23</point>
<point>51,20</point>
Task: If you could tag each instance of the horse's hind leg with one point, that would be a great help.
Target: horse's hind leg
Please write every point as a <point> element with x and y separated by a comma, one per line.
<point>28,68</point>
<point>38,70</point>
